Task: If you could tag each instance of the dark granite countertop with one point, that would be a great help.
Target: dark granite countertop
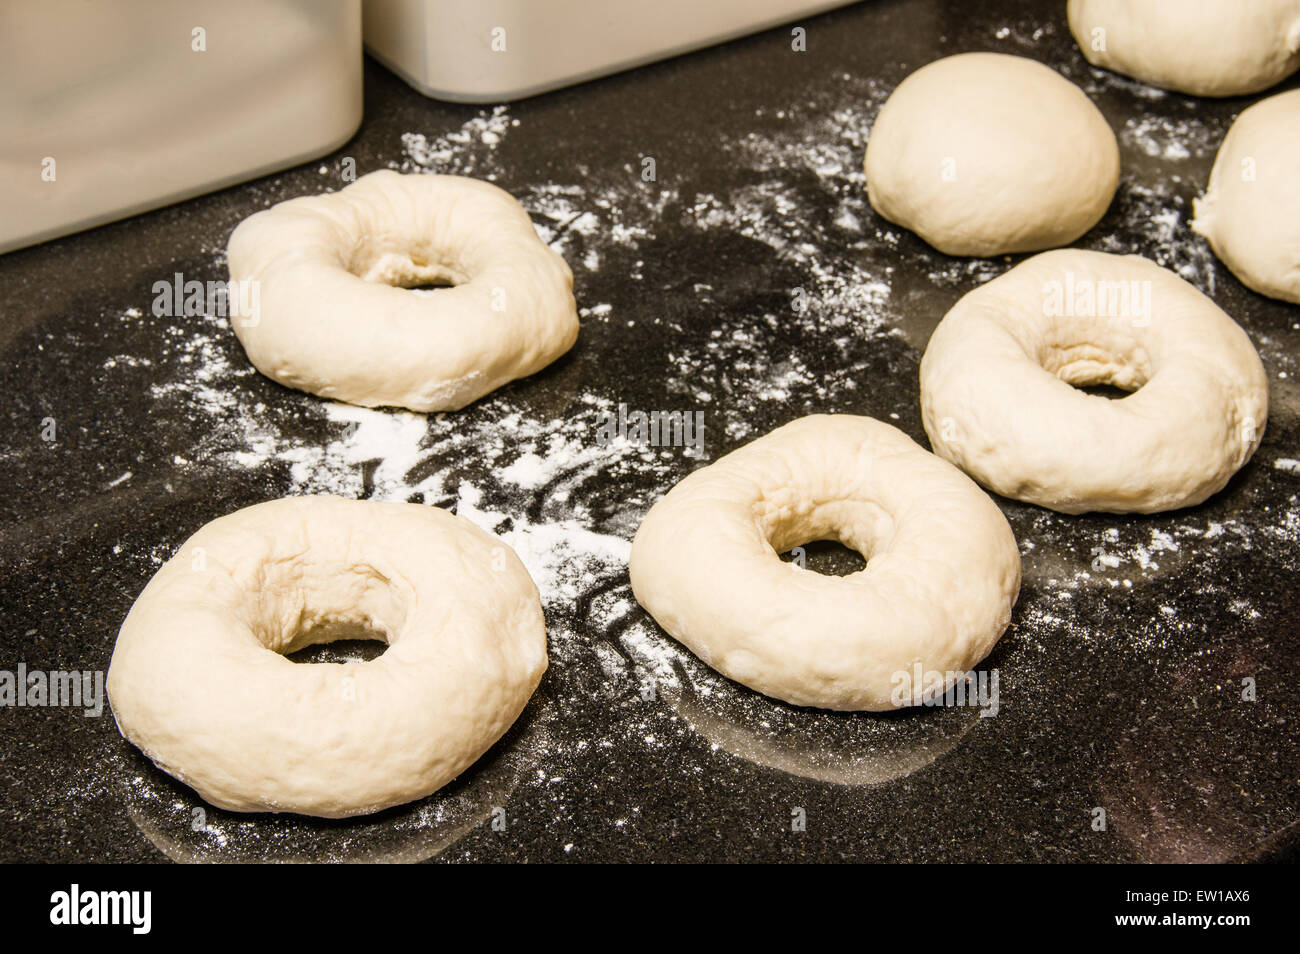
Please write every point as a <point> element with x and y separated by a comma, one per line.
<point>1121,675</point>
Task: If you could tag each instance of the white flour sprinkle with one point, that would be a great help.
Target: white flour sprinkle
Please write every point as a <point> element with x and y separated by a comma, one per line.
<point>462,152</point>
<point>843,297</point>
<point>1173,140</point>
<point>391,455</point>
<point>1155,225</point>
<point>1098,80</point>
<point>564,558</point>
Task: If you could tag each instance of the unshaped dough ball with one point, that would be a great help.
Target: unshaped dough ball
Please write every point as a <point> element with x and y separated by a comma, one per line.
<point>1202,47</point>
<point>987,154</point>
<point>1251,210</point>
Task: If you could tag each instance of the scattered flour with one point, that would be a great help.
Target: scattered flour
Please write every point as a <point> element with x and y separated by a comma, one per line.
<point>464,151</point>
<point>1170,139</point>
<point>1154,223</point>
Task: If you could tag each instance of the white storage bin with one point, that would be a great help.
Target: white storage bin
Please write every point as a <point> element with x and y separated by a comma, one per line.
<point>108,108</point>
<point>478,51</point>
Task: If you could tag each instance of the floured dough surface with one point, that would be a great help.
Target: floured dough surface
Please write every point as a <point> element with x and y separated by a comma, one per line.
<point>1001,379</point>
<point>942,572</point>
<point>200,683</point>
<point>985,154</point>
<point>1251,210</point>
<point>1202,47</point>
<point>335,315</point>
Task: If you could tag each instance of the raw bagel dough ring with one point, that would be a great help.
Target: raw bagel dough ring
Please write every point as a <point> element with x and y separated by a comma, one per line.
<point>997,396</point>
<point>943,568</point>
<point>330,321</point>
<point>1251,210</point>
<point>199,681</point>
<point>986,154</point>
<point>1201,47</point>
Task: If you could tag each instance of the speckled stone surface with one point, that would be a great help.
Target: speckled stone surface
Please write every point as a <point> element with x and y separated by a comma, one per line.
<point>1121,677</point>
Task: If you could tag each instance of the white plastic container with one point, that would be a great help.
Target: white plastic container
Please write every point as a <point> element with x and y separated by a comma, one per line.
<point>112,108</point>
<point>479,51</point>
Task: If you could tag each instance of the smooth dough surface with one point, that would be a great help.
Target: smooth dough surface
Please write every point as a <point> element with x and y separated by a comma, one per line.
<point>986,154</point>
<point>1000,383</point>
<point>200,683</point>
<point>1251,211</point>
<point>1201,47</point>
<point>942,572</point>
<point>336,316</point>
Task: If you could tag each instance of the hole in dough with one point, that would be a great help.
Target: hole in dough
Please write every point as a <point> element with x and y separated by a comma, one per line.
<point>1112,370</point>
<point>301,603</point>
<point>829,558</point>
<point>423,271</point>
<point>838,536</point>
<point>425,289</point>
<point>353,642</point>
<point>1108,391</point>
